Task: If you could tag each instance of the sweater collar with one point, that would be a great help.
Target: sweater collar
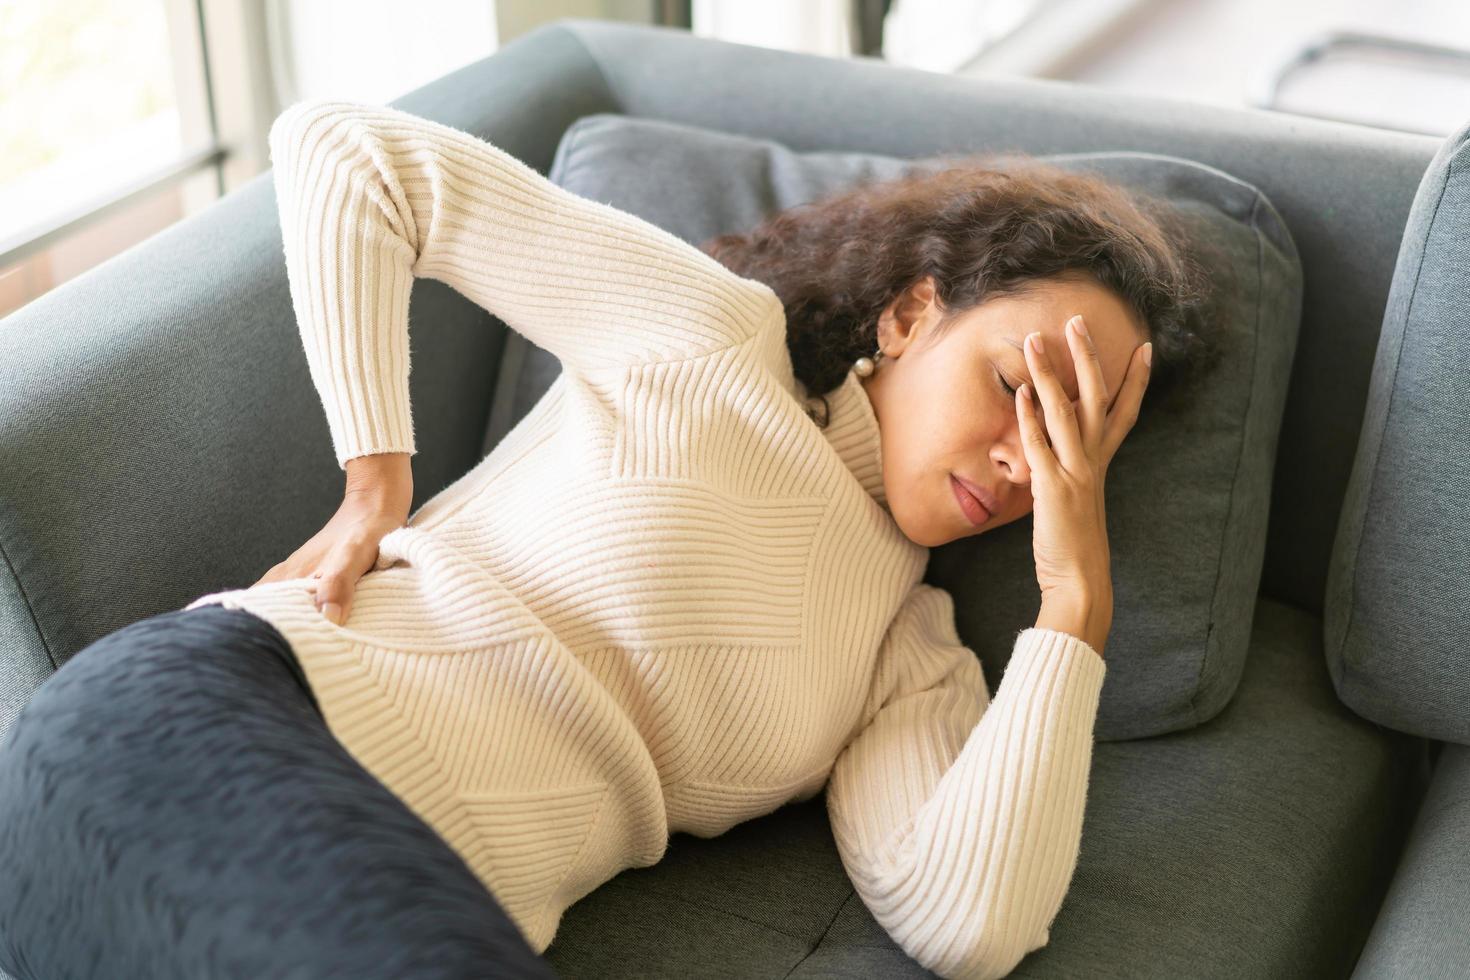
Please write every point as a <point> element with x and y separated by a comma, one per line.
<point>853,432</point>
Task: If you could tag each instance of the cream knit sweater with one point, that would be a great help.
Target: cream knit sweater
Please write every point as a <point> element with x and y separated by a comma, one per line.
<point>666,601</point>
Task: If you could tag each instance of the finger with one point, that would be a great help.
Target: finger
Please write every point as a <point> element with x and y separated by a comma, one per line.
<point>1125,413</point>
<point>1092,388</point>
<point>1039,456</point>
<point>335,602</point>
<point>333,594</point>
<point>1059,416</point>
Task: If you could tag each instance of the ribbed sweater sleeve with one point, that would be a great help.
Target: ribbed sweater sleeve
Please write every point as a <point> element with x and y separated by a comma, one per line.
<point>959,819</point>
<point>372,197</point>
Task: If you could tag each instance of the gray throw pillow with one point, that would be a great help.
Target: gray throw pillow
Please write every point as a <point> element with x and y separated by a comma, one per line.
<point>1188,492</point>
<point>1398,586</point>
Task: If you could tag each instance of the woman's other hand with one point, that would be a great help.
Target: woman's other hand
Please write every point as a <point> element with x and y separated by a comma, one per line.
<point>1069,538</point>
<point>377,500</point>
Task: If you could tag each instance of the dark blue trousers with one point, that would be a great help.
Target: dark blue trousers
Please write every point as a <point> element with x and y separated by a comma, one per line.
<point>172,805</point>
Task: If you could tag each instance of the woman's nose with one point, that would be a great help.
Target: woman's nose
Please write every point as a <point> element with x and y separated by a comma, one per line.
<point>1010,459</point>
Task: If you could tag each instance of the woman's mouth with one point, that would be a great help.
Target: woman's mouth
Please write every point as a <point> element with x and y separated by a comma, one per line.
<point>973,510</point>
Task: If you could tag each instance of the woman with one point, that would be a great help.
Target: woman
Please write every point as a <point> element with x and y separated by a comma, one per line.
<point>684,591</point>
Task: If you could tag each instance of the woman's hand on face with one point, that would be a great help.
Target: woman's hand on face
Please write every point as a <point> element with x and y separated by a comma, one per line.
<point>1069,538</point>
<point>341,553</point>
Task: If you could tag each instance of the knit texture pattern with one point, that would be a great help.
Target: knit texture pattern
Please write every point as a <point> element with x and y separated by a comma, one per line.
<point>666,601</point>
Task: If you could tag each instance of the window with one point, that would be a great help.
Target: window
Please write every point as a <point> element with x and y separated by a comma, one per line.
<point>108,139</point>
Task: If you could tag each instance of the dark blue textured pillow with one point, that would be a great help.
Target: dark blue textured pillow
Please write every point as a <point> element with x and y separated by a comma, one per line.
<point>1189,491</point>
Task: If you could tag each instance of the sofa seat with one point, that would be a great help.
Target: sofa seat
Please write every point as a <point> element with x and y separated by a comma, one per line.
<point>1250,846</point>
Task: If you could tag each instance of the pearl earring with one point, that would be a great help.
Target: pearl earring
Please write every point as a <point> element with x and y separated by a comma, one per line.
<point>865,366</point>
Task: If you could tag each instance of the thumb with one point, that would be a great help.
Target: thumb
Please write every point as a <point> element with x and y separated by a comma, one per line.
<point>339,583</point>
<point>334,596</point>
<point>336,611</point>
<point>340,607</point>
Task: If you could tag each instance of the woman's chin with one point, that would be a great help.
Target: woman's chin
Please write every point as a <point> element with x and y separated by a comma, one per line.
<point>931,536</point>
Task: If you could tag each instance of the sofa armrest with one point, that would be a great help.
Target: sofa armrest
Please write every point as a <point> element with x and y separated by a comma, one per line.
<point>160,436</point>
<point>1420,930</point>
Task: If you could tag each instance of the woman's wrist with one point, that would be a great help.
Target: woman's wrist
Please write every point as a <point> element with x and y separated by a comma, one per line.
<point>380,480</point>
<point>1084,613</point>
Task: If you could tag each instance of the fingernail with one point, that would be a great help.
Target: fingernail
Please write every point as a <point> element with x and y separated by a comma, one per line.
<point>334,612</point>
<point>1036,343</point>
<point>1148,354</point>
<point>1080,324</point>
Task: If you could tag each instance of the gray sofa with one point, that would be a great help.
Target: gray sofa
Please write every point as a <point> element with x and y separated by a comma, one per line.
<point>1318,825</point>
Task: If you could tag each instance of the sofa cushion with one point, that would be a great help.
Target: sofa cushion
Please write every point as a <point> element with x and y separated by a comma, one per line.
<point>1399,581</point>
<point>1420,930</point>
<point>1187,563</point>
<point>1259,844</point>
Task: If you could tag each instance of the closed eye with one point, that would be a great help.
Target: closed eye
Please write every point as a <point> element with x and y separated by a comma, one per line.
<point>1008,389</point>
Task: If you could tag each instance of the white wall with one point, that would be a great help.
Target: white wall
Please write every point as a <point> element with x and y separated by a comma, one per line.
<point>376,50</point>
<point>822,27</point>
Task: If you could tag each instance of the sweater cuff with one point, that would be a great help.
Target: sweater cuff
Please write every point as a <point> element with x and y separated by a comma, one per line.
<point>1064,652</point>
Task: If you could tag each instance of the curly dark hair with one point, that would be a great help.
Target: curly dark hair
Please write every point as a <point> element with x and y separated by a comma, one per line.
<point>983,225</point>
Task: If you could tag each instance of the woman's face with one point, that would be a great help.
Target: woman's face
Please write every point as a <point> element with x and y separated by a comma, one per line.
<point>941,407</point>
